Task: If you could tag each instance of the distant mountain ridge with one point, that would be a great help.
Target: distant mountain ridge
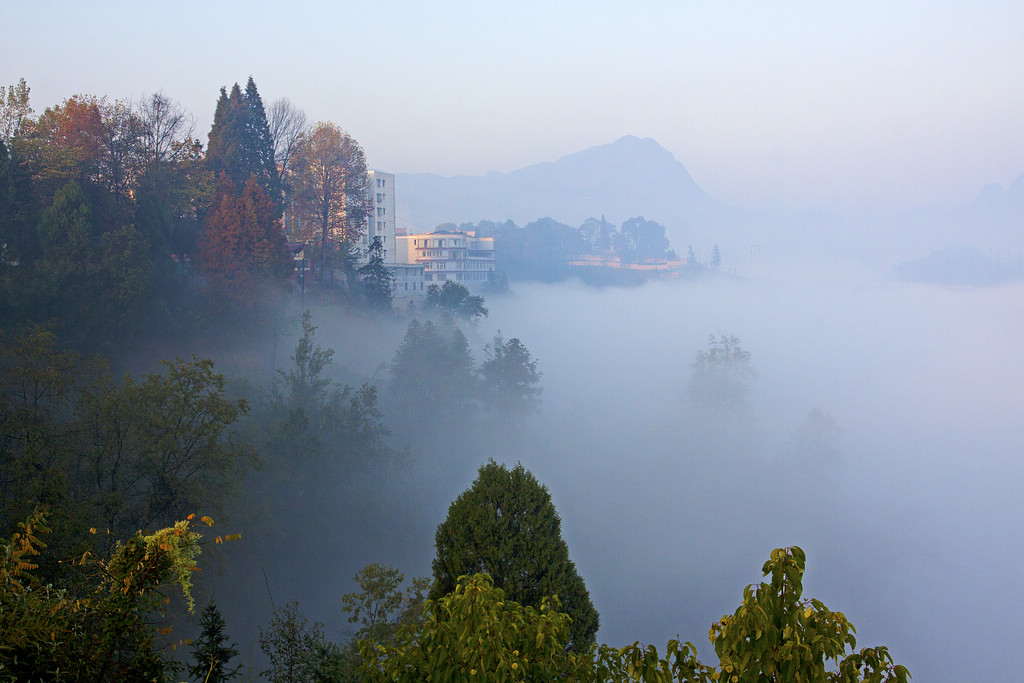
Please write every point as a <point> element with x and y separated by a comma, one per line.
<point>626,178</point>
<point>638,177</point>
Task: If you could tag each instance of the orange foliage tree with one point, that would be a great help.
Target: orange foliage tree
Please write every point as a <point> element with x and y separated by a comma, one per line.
<point>242,248</point>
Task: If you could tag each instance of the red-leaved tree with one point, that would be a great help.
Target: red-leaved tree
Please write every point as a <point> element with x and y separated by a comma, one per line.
<point>242,248</point>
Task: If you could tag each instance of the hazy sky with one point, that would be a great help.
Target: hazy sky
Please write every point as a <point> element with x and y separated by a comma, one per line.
<point>785,103</point>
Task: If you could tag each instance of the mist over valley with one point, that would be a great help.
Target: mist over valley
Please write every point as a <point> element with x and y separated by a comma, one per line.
<point>512,342</point>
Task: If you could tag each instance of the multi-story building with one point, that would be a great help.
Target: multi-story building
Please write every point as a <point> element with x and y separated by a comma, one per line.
<point>381,221</point>
<point>449,255</point>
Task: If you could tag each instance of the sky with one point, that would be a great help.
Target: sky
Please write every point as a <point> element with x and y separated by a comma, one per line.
<point>785,104</point>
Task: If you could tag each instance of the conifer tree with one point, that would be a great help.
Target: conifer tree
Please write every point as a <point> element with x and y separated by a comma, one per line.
<point>505,525</point>
<point>211,652</point>
<point>240,144</point>
<point>377,278</point>
<point>217,145</point>
<point>261,145</point>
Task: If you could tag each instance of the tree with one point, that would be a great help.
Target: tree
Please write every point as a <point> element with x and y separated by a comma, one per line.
<point>131,454</point>
<point>15,111</point>
<point>211,651</point>
<point>151,450</point>
<point>241,245</point>
<point>309,413</point>
<point>381,607</point>
<point>287,125</point>
<point>455,298</point>
<point>176,185</point>
<point>478,633</point>
<point>716,257</point>
<point>121,163</point>
<point>332,195</point>
<point>775,635</point>
<point>511,381</point>
<point>377,278</point>
<point>104,631</point>
<point>165,126</point>
<point>506,525</point>
<point>722,374</point>
<point>432,377</point>
<point>292,645</point>
<point>260,145</point>
<point>643,240</point>
<point>240,143</point>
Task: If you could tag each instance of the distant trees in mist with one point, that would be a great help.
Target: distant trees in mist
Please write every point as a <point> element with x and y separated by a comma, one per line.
<point>722,374</point>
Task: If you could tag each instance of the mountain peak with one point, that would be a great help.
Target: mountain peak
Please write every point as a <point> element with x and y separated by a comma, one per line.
<point>629,177</point>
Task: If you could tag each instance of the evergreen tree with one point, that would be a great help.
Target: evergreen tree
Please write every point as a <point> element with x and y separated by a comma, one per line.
<point>505,525</point>
<point>716,258</point>
<point>261,145</point>
<point>432,377</point>
<point>377,279</point>
<point>211,650</point>
<point>217,152</point>
<point>511,381</point>
<point>240,144</point>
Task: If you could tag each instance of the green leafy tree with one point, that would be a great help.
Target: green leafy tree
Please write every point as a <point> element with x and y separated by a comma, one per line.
<point>294,647</point>
<point>510,378</point>
<point>455,298</point>
<point>105,631</point>
<point>128,454</point>
<point>15,111</point>
<point>152,450</point>
<point>722,374</point>
<point>381,607</point>
<point>211,651</point>
<point>377,278</point>
<point>309,413</point>
<point>505,525</point>
<point>478,633</point>
<point>776,635</point>
<point>95,284</point>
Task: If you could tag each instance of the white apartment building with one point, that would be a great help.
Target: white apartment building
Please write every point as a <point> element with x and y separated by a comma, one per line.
<point>448,255</point>
<point>381,221</point>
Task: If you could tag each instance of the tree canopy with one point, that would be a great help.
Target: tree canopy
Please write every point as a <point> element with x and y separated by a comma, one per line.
<point>722,374</point>
<point>510,378</point>
<point>456,299</point>
<point>506,525</point>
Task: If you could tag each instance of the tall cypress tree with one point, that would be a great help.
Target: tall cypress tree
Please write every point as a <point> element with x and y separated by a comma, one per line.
<point>240,144</point>
<point>216,148</point>
<point>261,145</point>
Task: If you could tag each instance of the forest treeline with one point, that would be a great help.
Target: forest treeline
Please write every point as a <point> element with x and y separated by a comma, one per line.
<point>89,459</point>
<point>117,219</point>
<point>545,249</point>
